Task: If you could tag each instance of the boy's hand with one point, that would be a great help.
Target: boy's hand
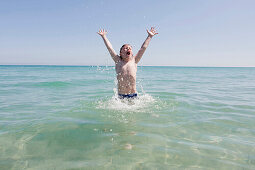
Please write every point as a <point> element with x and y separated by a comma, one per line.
<point>102,32</point>
<point>152,32</point>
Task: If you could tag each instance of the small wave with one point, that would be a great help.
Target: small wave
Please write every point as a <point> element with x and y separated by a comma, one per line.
<point>52,84</point>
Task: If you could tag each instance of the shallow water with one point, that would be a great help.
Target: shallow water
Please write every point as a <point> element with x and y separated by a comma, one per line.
<point>62,117</point>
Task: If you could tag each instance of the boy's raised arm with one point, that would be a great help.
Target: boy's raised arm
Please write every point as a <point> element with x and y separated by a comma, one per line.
<point>139,55</point>
<point>114,55</point>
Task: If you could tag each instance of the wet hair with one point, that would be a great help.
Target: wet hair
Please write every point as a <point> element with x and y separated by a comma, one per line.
<point>121,49</point>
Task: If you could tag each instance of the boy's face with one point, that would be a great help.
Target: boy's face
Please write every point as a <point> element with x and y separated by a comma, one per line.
<point>126,52</point>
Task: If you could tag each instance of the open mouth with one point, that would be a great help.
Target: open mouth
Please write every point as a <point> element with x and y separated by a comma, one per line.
<point>128,53</point>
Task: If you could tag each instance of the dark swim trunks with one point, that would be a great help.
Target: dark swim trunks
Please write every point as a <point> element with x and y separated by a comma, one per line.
<point>128,96</point>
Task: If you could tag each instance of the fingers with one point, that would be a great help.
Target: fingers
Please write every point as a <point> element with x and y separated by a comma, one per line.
<point>153,30</point>
<point>102,30</point>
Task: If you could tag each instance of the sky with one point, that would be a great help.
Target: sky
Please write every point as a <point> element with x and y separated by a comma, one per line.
<point>218,33</point>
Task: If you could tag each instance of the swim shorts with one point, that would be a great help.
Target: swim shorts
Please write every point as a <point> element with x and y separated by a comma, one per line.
<point>127,96</point>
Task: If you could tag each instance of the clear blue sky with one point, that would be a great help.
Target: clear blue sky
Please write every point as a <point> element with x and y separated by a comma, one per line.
<point>191,32</point>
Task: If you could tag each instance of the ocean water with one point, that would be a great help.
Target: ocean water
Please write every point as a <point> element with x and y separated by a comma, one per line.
<point>68,117</point>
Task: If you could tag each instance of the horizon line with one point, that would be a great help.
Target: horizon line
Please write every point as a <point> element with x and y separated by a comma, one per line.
<point>113,65</point>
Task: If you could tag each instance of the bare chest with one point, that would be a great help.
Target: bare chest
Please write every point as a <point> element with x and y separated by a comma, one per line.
<point>126,69</point>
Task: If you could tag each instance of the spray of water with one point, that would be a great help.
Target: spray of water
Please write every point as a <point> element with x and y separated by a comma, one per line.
<point>139,104</point>
<point>143,103</point>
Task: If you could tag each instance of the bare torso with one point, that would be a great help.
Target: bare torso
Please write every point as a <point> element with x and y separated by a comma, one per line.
<point>126,76</point>
<point>126,65</point>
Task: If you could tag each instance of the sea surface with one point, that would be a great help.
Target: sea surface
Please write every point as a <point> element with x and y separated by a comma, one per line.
<point>68,117</point>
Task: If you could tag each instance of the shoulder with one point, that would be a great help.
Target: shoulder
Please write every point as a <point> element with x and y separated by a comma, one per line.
<point>117,59</point>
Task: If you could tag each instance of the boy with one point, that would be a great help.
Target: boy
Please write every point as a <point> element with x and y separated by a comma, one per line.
<point>126,64</point>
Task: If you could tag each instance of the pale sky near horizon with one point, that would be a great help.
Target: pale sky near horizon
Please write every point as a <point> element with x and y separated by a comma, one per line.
<point>191,32</point>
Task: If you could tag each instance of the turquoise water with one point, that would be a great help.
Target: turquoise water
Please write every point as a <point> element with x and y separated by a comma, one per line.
<point>63,117</point>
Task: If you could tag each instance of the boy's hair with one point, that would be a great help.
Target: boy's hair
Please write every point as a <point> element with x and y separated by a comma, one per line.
<point>121,49</point>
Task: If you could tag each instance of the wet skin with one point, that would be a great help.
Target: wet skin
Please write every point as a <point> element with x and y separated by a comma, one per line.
<point>126,69</point>
<point>126,62</point>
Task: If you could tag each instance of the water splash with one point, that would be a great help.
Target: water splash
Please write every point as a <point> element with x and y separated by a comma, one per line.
<point>140,104</point>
